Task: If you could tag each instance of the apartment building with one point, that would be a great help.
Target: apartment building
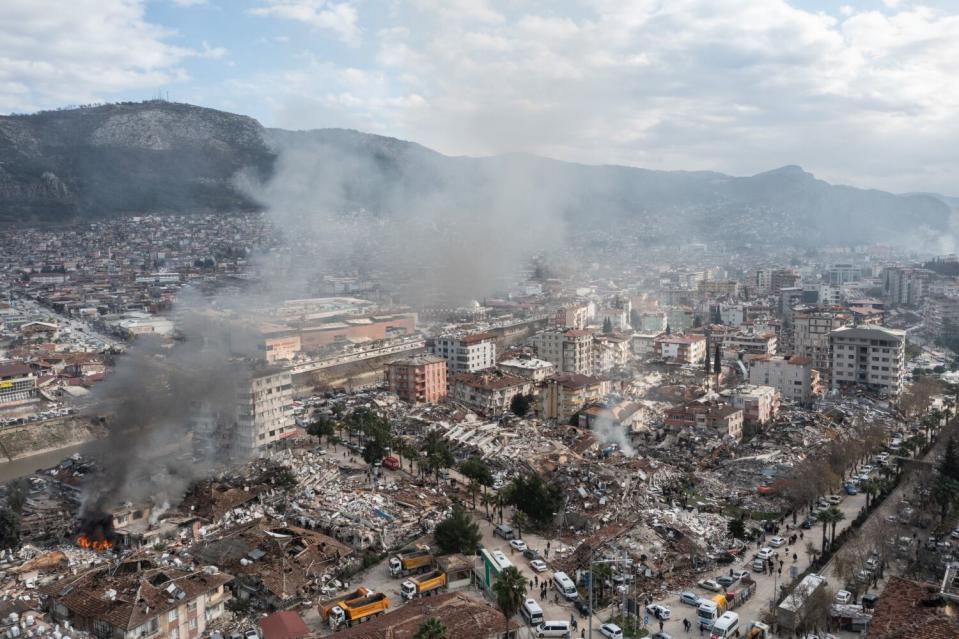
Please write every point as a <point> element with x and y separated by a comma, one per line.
<point>682,349</point>
<point>906,286</point>
<point>794,377</point>
<point>760,404</point>
<point>418,380</point>
<point>488,393</point>
<point>265,410</point>
<point>562,396</point>
<point>810,336</point>
<point>714,415</point>
<point>652,322</point>
<point>464,353</point>
<point>870,356</point>
<point>749,344</point>
<point>18,384</point>
<point>571,350</point>
<point>136,599</point>
<point>839,274</point>
<point>533,369</point>
<point>610,352</point>
<point>940,315</point>
<point>573,316</point>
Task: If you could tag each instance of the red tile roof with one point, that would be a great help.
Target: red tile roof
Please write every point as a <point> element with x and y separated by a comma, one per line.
<point>908,609</point>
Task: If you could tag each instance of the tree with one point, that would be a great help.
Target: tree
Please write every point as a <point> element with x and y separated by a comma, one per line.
<point>478,473</point>
<point>17,491</point>
<point>510,592</point>
<point>949,466</point>
<point>519,405</point>
<point>322,427</point>
<point>489,499</point>
<point>538,500</point>
<point>835,516</point>
<point>826,518</point>
<point>717,359</point>
<point>945,492</point>
<point>438,454</point>
<point>458,533</point>
<point>519,522</point>
<point>9,529</point>
<point>736,528</point>
<point>432,628</point>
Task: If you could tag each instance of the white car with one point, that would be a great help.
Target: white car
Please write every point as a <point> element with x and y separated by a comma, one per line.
<point>517,544</point>
<point>776,542</point>
<point>611,631</point>
<point>538,565</point>
<point>709,584</point>
<point>835,500</point>
<point>843,597</point>
<point>658,611</point>
<point>765,553</point>
<point>739,574</point>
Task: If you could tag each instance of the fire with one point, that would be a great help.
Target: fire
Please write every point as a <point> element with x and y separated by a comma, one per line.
<point>99,545</point>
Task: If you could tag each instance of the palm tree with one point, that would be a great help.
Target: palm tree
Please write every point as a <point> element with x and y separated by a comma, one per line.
<point>510,591</point>
<point>870,487</point>
<point>520,521</point>
<point>835,516</point>
<point>432,628</point>
<point>825,517</point>
<point>488,499</point>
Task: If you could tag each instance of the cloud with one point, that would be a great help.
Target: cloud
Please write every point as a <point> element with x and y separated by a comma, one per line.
<point>213,53</point>
<point>864,97</point>
<point>55,53</point>
<point>189,3</point>
<point>339,17</point>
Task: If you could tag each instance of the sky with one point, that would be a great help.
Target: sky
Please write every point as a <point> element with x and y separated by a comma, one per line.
<point>863,93</point>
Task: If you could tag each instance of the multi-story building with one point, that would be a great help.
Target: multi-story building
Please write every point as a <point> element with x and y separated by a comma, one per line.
<point>749,344</point>
<point>418,380</point>
<point>794,377</point>
<point>265,410</point>
<point>644,344</point>
<point>810,336</point>
<point>870,356</point>
<point>718,288</point>
<point>18,384</point>
<point>679,318</point>
<point>940,315</point>
<point>610,352</point>
<point>533,369</point>
<point>683,349</point>
<point>713,415</point>
<point>760,404</point>
<point>488,393</point>
<point>571,351</point>
<point>138,599</point>
<point>906,286</point>
<point>652,322</point>
<point>464,353</point>
<point>839,274</point>
<point>562,396</point>
<point>573,316</point>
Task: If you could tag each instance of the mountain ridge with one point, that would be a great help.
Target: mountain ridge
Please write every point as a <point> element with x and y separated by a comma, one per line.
<point>69,165</point>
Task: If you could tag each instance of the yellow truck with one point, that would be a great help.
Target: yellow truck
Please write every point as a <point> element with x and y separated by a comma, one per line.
<point>423,586</point>
<point>411,561</point>
<point>358,610</point>
<point>325,607</point>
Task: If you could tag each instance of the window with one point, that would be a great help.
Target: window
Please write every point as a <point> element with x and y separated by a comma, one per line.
<point>171,616</point>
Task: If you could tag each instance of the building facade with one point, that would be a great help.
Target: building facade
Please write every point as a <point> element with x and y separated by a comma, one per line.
<point>418,380</point>
<point>265,410</point>
<point>488,393</point>
<point>794,377</point>
<point>464,353</point>
<point>562,396</point>
<point>870,356</point>
<point>533,369</point>
<point>810,336</point>
<point>571,351</point>
<point>760,404</point>
<point>682,349</point>
<point>18,384</point>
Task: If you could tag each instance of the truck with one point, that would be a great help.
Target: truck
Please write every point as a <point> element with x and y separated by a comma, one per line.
<point>325,607</point>
<point>411,561</point>
<point>423,586</point>
<point>758,630</point>
<point>790,612</point>
<point>358,610</point>
<point>710,610</point>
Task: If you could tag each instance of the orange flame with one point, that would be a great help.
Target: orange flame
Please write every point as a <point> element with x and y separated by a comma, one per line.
<point>98,545</point>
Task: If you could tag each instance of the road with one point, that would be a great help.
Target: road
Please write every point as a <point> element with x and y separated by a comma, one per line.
<point>78,328</point>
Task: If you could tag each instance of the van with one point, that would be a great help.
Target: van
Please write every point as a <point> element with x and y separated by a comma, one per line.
<point>726,626</point>
<point>553,629</point>
<point>504,531</point>
<point>532,612</point>
<point>565,585</point>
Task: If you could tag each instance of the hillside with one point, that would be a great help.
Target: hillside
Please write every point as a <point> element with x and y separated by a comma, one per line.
<point>66,165</point>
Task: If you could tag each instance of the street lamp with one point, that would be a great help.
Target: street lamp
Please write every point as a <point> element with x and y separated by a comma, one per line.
<point>589,611</point>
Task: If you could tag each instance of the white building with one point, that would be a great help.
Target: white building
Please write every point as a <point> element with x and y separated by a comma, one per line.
<point>871,356</point>
<point>265,410</point>
<point>811,336</point>
<point>571,351</point>
<point>464,353</point>
<point>534,369</point>
<point>794,377</point>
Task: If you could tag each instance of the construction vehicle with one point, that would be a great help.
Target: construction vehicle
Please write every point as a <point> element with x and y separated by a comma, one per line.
<point>411,561</point>
<point>324,607</point>
<point>424,585</point>
<point>758,630</point>
<point>358,610</point>
<point>710,610</point>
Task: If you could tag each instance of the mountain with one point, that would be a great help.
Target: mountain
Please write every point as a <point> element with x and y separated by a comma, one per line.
<point>114,159</point>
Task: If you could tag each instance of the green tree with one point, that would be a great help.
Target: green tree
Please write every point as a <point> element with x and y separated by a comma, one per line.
<point>835,516</point>
<point>9,529</point>
<point>458,533</point>
<point>478,473</point>
<point>519,405</point>
<point>438,454</point>
<point>949,466</point>
<point>538,500</point>
<point>510,592</point>
<point>489,499</point>
<point>519,521</point>
<point>736,528</point>
<point>432,628</point>
<point>825,518</point>
<point>17,491</point>
<point>322,427</point>
<point>945,492</point>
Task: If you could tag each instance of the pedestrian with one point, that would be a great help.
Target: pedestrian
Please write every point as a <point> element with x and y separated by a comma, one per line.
<point>700,630</point>
<point>800,534</point>
<point>536,579</point>
<point>582,633</point>
<point>660,625</point>
<point>795,557</point>
<point>530,584</point>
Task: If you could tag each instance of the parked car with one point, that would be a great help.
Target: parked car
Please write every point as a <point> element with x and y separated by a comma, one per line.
<point>843,597</point>
<point>765,553</point>
<point>739,574</point>
<point>863,576</point>
<point>611,631</point>
<point>538,565</point>
<point>531,554</point>
<point>807,523</point>
<point>504,531</point>
<point>661,635</point>
<point>251,633</point>
<point>872,564</point>
<point>758,565</point>
<point>709,584</point>
<point>658,611</point>
<point>725,581</point>
<point>835,500</point>
<point>689,599</point>
<point>518,544</point>
<point>776,542</point>
<point>582,607</point>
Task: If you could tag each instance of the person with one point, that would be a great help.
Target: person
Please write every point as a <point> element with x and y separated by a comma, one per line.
<point>800,534</point>
<point>660,625</point>
<point>795,557</point>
